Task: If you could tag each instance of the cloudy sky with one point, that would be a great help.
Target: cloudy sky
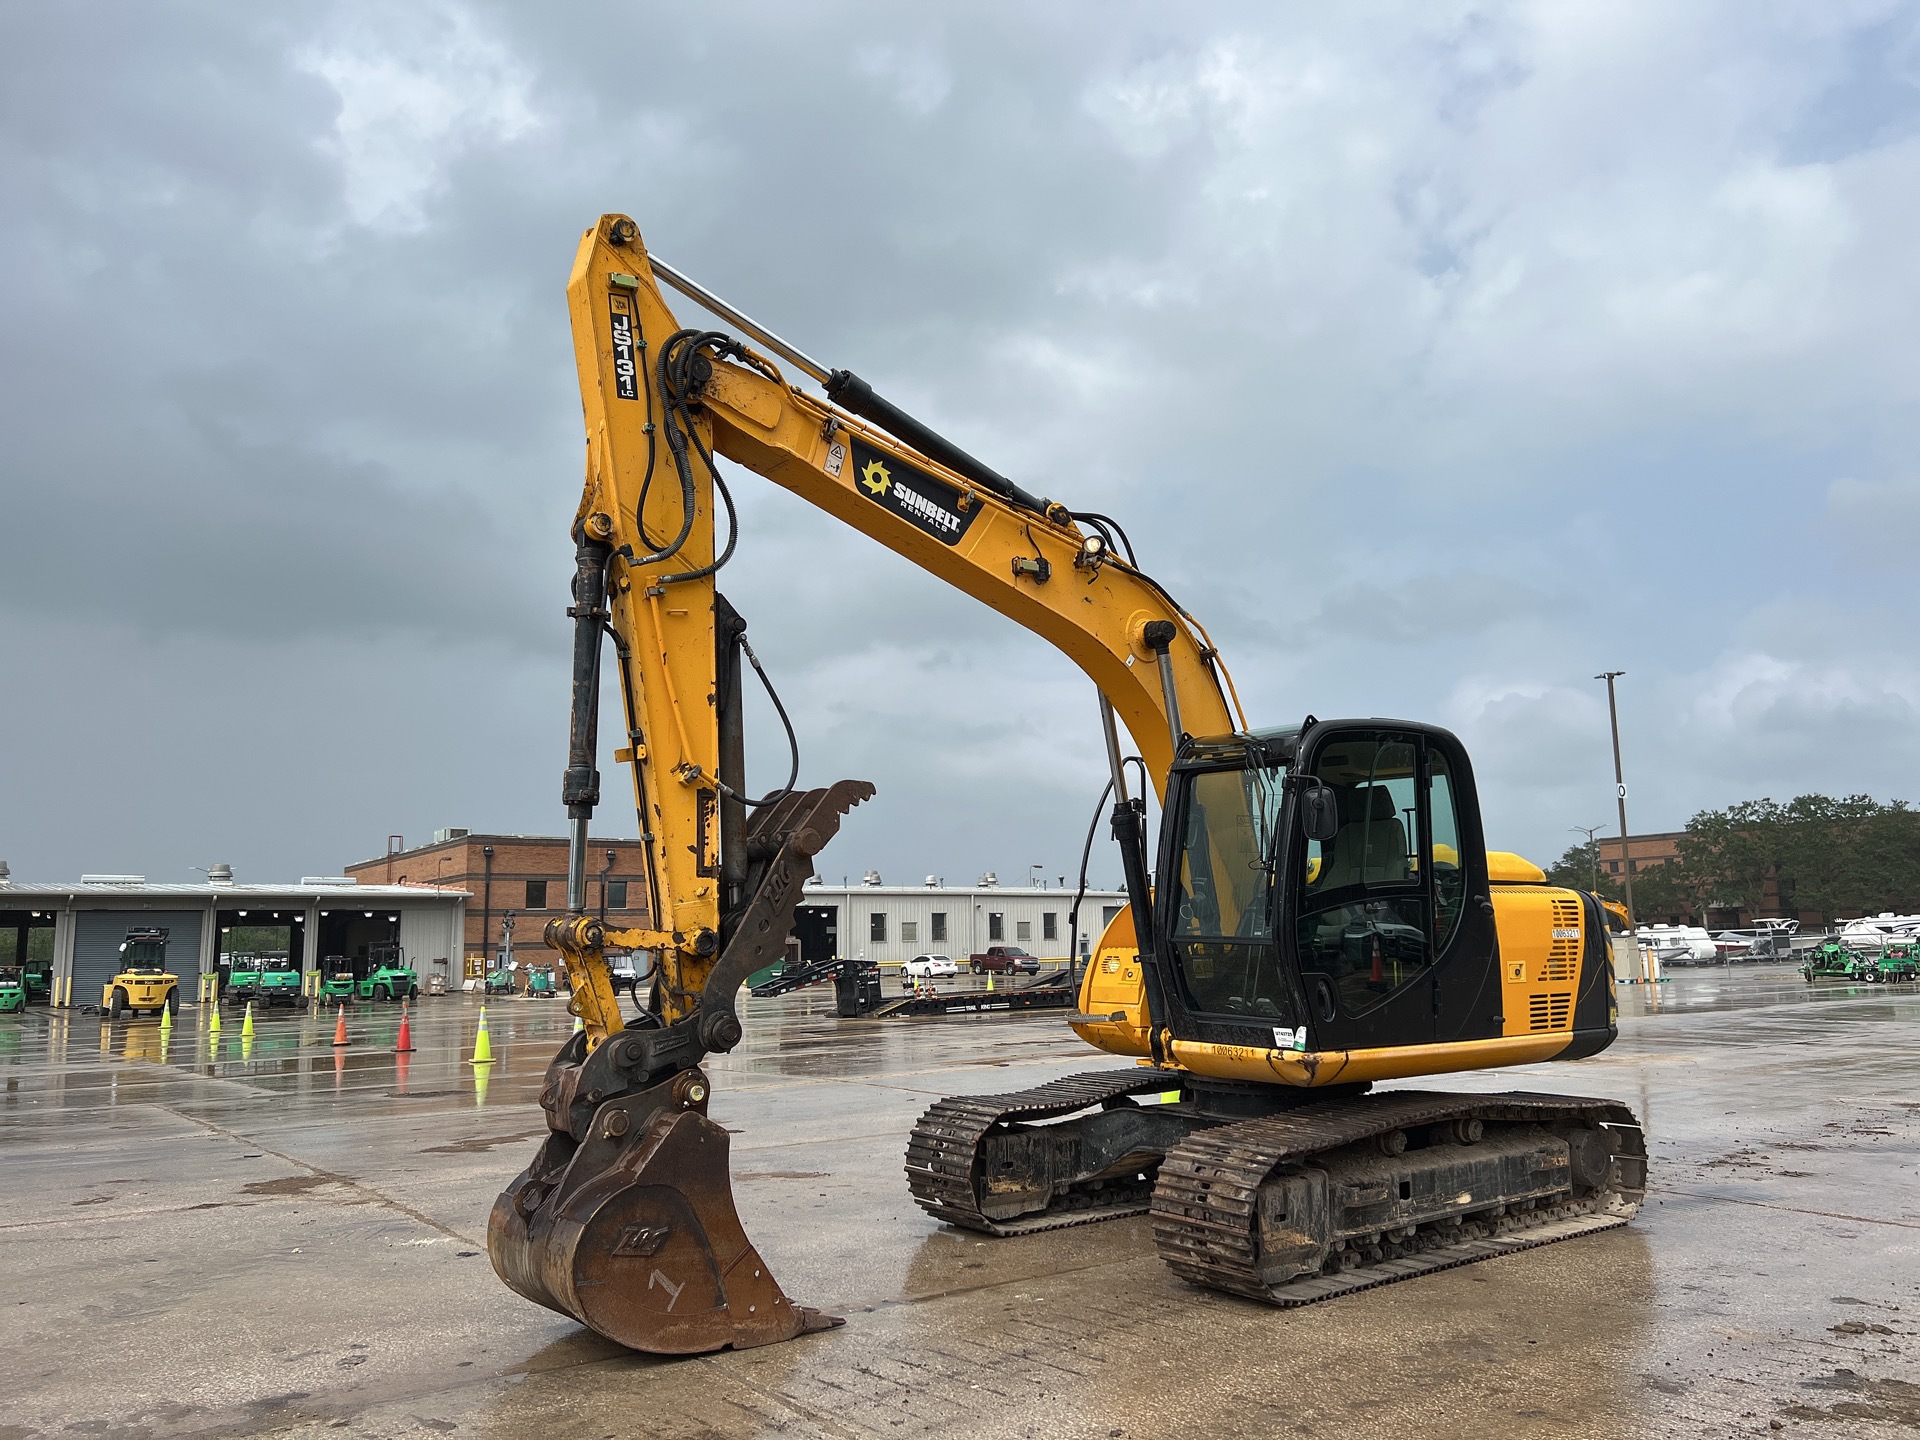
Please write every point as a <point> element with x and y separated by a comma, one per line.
<point>1437,356</point>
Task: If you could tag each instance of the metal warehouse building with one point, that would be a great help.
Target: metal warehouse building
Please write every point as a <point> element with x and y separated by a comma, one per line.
<point>322,916</point>
<point>893,923</point>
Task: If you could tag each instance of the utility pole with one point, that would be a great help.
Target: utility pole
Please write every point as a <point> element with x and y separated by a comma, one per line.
<point>1620,793</point>
<point>1593,850</point>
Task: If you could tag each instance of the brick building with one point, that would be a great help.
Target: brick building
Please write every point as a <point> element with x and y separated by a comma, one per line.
<point>1641,852</point>
<point>519,876</point>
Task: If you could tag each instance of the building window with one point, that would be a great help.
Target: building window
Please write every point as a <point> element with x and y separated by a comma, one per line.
<point>877,925</point>
<point>536,894</point>
<point>1613,867</point>
<point>1023,929</point>
<point>1049,926</point>
<point>616,894</point>
<point>938,930</point>
<point>1633,867</point>
<point>910,932</point>
<point>996,925</point>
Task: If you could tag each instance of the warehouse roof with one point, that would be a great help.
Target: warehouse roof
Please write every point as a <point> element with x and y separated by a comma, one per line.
<point>133,887</point>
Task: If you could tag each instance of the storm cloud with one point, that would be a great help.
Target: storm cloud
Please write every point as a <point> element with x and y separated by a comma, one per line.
<point>1437,356</point>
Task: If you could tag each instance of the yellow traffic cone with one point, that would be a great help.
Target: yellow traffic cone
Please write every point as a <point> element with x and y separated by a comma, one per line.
<point>990,982</point>
<point>482,1042</point>
<point>246,1025</point>
<point>166,1018</point>
<point>214,1027</point>
<point>579,1024</point>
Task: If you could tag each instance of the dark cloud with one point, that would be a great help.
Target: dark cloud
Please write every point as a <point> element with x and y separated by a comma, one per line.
<point>1436,356</point>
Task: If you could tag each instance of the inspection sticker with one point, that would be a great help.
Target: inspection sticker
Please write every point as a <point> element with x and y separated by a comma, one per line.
<point>1285,1039</point>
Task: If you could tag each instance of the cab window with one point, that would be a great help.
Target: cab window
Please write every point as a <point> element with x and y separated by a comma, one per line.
<point>1362,928</point>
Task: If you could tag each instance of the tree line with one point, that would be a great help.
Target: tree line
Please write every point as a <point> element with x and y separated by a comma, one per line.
<point>1814,856</point>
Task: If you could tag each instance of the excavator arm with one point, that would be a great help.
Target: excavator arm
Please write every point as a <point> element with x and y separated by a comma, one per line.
<point>629,1173</point>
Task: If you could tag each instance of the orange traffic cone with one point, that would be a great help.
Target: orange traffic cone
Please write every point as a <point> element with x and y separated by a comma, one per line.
<point>340,1028</point>
<point>403,1043</point>
<point>1379,975</point>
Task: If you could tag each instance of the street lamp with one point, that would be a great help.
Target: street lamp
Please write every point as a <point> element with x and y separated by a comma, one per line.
<point>1593,850</point>
<point>1620,793</point>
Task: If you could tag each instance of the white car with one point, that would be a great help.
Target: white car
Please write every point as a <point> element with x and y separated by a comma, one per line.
<point>928,967</point>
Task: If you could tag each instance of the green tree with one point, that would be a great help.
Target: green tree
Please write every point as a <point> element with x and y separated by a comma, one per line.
<point>1727,855</point>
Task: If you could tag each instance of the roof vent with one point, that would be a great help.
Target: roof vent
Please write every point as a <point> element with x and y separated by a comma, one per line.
<point>441,837</point>
<point>220,875</point>
<point>4,873</point>
<point>113,879</point>
<point>989,880</point>
<point>872,877</point>
<point>933,882</point>
<point>327,880</point>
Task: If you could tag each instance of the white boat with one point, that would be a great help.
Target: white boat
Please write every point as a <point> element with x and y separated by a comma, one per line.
<point>1870,934</point>
<point>1679,944</point>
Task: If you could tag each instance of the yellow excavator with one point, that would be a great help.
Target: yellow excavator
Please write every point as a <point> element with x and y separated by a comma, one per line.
<point>1320,914</point>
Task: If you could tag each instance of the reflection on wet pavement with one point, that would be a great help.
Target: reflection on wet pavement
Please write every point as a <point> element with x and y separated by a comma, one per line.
<point>280,1234</point>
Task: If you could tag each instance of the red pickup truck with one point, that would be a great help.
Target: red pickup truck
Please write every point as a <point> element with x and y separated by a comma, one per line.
<point>1005,959</point>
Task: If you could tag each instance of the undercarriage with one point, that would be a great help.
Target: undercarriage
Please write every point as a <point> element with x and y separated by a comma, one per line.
<point>1325,1194</point>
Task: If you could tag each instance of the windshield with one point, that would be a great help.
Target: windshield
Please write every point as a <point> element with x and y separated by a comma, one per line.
<point>1225,837</point>
<point>1221,892</point>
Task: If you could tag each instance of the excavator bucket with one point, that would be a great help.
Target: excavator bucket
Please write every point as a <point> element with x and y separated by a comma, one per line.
<point>625,1219</point>
<point>634,1233</point>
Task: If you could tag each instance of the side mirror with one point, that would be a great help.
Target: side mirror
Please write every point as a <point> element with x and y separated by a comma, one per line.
<point>1319,813</point>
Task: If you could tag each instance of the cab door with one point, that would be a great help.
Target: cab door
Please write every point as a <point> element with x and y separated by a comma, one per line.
<point>1378,914</point>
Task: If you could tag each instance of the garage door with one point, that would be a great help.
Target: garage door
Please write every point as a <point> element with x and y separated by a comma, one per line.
<point>97,936</point>
<point>426,936</point>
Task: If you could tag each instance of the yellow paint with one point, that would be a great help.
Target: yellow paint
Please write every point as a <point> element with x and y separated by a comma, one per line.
<point>1506,868</point>
<point>1542,933</point>
<point>1113,983</point>
<point>1343,1067</point>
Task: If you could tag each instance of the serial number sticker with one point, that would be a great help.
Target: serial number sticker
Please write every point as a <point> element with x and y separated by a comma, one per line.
<point>1562,933</point>
<point>836,459</point>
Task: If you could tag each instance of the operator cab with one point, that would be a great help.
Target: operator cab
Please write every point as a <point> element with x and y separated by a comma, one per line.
<point>144,952</point>
<point>1325,888</point>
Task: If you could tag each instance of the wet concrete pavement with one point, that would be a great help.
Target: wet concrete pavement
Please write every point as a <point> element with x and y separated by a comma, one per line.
<point>203,1236</point>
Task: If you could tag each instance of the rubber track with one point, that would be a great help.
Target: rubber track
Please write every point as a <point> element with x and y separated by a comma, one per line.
<point>1204,1202</point>
<point>945,1145</point>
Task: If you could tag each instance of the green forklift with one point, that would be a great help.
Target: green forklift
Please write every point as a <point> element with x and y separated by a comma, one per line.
<point>388,976</point>
<point>337,979</point>
<point>13,991</point>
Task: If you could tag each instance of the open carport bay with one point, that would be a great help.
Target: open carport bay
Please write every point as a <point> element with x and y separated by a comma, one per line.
<point>289,1238</point>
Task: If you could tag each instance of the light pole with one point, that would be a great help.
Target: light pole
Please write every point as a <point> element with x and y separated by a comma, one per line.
<point>1620,793</point>
<point>1593,850</point>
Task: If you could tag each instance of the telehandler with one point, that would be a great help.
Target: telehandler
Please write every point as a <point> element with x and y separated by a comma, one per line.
<point>1320,913</point>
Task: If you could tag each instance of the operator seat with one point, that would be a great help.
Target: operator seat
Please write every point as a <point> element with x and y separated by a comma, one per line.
<point>1370,846</point>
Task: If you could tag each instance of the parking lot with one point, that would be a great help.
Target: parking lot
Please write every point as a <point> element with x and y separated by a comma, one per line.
<point>204,1235</point>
